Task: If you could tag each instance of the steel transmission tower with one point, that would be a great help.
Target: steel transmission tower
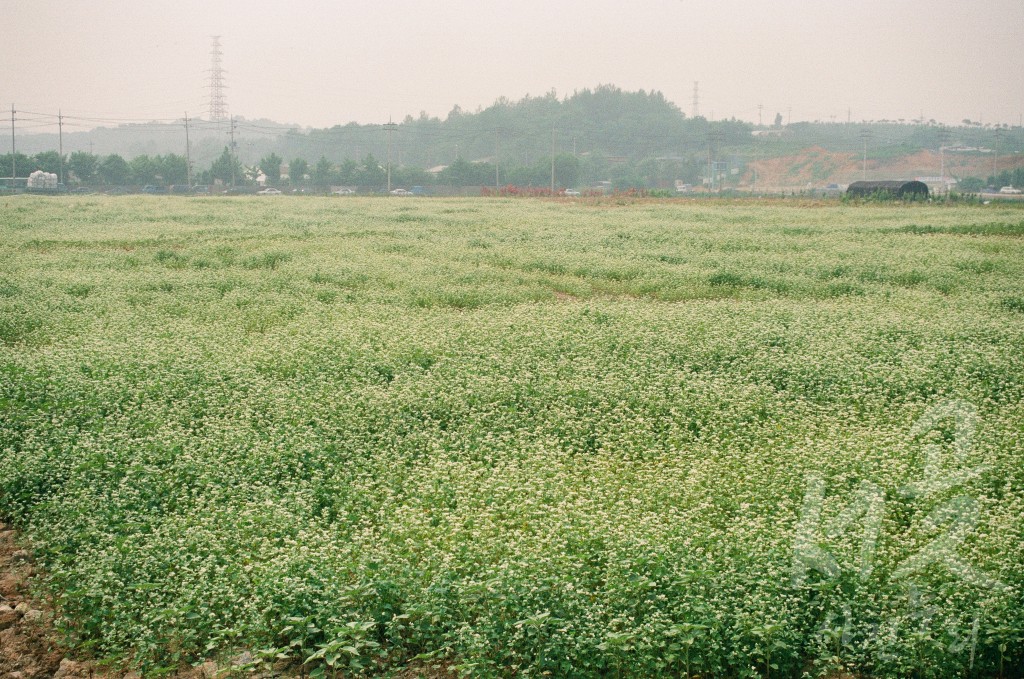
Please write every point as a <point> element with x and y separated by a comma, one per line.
<point>218,105</point>
<point>696,101</point>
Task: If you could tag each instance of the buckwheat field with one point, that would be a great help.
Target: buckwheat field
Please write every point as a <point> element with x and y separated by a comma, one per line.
<point>513,437</point>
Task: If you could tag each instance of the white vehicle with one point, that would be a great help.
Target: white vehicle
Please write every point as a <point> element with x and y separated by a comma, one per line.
<point>268,192</point>
<point>344,192</point>
<point>1009,190</point>
<point>571,192</point>
<point>401,192</point>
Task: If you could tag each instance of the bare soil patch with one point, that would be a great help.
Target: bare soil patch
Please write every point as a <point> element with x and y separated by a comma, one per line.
<point>27,646</point>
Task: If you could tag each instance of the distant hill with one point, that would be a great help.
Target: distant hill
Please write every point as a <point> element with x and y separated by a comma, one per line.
<point>630,138</point>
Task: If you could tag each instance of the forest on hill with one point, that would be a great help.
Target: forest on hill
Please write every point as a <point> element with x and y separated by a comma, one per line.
<point>605,134</point>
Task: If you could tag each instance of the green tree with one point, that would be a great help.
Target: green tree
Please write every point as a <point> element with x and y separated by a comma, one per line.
<point>144,170</point>
<point>464,173</point>
<point>173,168</point>
<point>371,174</point>
<point>271,167</point>
<point>24,165</point>
<point>323,173</point>
<point>970,184</point>
<point>349,172</point>
<point>83,165</point>
<point>114,170</point>
<point>567,170</point>
<point>226,168</point>
<point>48,161</point>
<point>410,176</point>
<point>297,170</point>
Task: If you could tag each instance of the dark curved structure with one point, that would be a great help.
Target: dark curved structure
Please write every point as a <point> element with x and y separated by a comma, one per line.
<point>896,189</point>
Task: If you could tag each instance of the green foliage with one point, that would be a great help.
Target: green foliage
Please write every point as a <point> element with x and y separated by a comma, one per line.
<point>144,170</point>
<point>83,166</point>
<point>114,170</point>
<point>271,167</point>
<point>297,170</point>
<point>47,161</point>
<point>514,437</point>
<point>970,184</point>
<point>323,173</point>
<point>226,168</point>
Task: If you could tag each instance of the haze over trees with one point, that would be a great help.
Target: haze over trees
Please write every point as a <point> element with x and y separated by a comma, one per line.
<point>626,139</point>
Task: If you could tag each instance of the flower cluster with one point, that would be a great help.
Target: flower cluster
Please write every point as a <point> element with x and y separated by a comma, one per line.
<point>520,437</point>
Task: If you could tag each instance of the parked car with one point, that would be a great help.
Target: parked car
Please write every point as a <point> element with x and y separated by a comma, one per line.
<point>571,193</point>
<point>401,192</point>
<point>270,191</point>
<point>153,189</point>
<point>344,192</point>
<point>1009,190</point>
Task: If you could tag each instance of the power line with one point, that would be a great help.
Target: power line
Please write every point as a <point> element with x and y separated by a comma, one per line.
<point>389,128</point>
<point>552,160</point>
<point>60,143</point>
<point>188,153</point>
<point>232,155</point>
<point>14,153</point>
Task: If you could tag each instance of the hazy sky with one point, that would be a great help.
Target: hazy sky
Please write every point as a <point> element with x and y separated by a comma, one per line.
<point>323,63</point>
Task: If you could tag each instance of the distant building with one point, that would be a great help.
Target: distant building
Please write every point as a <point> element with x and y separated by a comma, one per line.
<point>895,188</point>
<point>773,134</point>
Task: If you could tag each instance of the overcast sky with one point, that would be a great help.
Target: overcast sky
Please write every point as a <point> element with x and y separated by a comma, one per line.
<point>323,63</point>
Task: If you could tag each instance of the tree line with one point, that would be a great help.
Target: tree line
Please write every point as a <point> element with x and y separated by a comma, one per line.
<point>88,169</point>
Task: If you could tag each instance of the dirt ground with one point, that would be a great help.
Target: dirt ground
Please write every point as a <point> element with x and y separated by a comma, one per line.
<point>818,167</point>
<point>27,646</point>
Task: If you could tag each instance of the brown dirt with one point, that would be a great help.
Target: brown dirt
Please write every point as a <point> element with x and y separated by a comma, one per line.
<point>819,167</point>
<point>27,647</point>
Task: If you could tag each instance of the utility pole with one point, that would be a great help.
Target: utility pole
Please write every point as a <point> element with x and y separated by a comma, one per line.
<point>389,128</point>
<point>60,143</point>
<point>188,154</point>
<point>14,153</point>
<point>714,140</point>
<point>760,108</point>
<point>711,166</point>
<point>695,112</point>
<point>232,154</point>
<point>497,137</point>
<point>943,140</point>
<point>995,154</point>
<point>552,160</point>
<point>757,150</point>
<point>865,134</point>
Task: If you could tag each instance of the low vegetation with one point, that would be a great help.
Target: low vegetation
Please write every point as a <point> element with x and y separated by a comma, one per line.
<point>520,437</point>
